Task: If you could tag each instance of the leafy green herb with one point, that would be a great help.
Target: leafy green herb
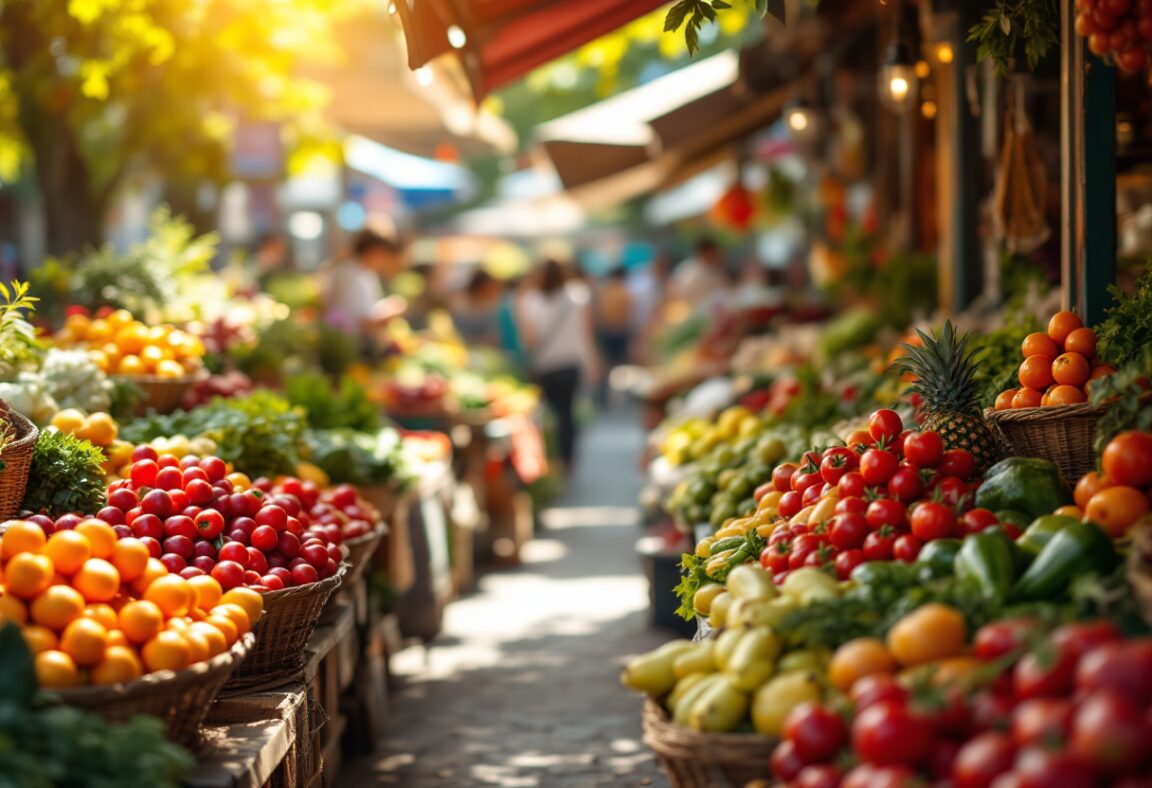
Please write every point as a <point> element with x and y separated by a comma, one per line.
<point>1124,398</point>
<point>692,576</point>
<point>328,407</point>
<point>1127,331</point>
<point>998,354</point>
<point>1010,26</point>
<point>350,457</point>
<point>67,475</point>
<point>45,744</point>
<point>19,347</point>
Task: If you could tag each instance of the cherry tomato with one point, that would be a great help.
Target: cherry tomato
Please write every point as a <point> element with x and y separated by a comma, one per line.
<point>816,731</point>
<point>974,521</point>
<point>1043,721</point>
<point>1109,731</point>
<point>228,574</point>
<point>982,759</point>
<point>1124,667</point>
<point>941,757</point>
<point>803,479</point>
<point>888,733</point>
<point>847,561</point>
<point>209,524</point>
<point>851,505</point>
<point>833,468</point>
<point>905,485</point>
<point>848,531</point>
<point>811,495</point>
<point>782,477</point>
<point>931,520</point>
<point>877,688</point>
<point>879,545</point>
<point>877,466</point>
<point>924,448</point>
<point>823,775</point>
<point>953,491</point>
<point>885,511</point>
<point>789,504</point>
<point>992,710</point>
<point>907,548</point>
<point>786,763</point>
<point>868,776</point>
<point>885,424</point>
<point>852,484</point>
<point>1039,767</point>
<point>1002,637</point>
<point>264,537</point>
<point>1047,675</point>
<point>1127,459</point>
<point>759,493</point>
<point>143,473</point>
<point>774,557</point>
<point>1080,637</point>
<point>958,463</point>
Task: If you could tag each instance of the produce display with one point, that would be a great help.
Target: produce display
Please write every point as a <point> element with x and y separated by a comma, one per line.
<point>1119,30</point>
<point>121,345</point>
<point>1059,366</point>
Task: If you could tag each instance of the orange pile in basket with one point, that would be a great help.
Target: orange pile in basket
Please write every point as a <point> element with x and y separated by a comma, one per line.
<point>122,345</point>
<point>1059,366</point>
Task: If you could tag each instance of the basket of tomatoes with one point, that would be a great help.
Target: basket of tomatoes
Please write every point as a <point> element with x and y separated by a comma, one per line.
<point>1049,415</point>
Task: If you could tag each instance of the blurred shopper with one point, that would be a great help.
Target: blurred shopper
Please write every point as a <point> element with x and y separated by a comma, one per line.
<point>555,324</point>
<point>697,280</point>
<point>614,305</point>
<point>354,298</point>
<point>648,286</point>
<point>476,311</point>
<point>270,259</point>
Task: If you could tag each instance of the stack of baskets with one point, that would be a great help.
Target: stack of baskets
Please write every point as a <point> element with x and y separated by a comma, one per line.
<point>694,759</point>
<point>1065,435</point>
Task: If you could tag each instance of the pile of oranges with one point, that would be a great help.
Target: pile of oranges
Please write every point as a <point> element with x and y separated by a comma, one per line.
<point>121,345</point>
<point>95,609</point>
<point>98,428</point>
<point>1058,366</point>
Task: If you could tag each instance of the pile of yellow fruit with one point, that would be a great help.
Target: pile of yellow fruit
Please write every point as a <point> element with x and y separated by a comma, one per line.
<point>95,609</point>
<point>99,428</point>
<point>121,345</point>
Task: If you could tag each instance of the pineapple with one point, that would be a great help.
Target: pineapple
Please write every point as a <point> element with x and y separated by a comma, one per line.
<point>945,380</point>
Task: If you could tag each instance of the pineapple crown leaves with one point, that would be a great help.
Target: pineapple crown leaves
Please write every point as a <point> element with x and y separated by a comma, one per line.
<point>944,369</point>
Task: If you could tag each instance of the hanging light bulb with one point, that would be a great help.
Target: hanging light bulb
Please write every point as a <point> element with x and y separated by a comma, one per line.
<point>898,80</point>
<point>800,118</point>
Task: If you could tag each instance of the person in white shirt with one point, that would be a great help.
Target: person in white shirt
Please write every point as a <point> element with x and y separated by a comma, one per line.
<point>554,320</point>
<point>697,280</point>
<point>354,299</point>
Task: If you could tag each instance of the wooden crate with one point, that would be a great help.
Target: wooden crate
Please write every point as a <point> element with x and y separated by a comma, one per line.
<point>333,653</point>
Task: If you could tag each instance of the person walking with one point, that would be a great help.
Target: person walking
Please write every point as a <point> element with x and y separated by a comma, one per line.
<point>701,279</point>
<point>476,310</point>
<point>614,306</point>
<point>554,319</point>
<point>354,297</point>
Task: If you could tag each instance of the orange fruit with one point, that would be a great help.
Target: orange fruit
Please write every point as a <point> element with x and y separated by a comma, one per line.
<point>100,359</point>
<point>99,330</point>
<point>55,670</point>
<point>39,638</point>
<point>246,598</point>
<point>69,420</point>
<point>117,638</point>
<point>21,537</point>
<point>234,612</point>
<point>119,664</point>
<point>28,574</point>
<point>1027,398</point>
<point>119,318</point>
<point>57,607</point>
<point>927,634</point>
<point>68,551</point>
<point>956,671</point>
<point>130,557</point>
<point>856,659</point>
<point>1062,324</point>
<point>100,535</point>
<point>1082,341</point>
<point>167,368</point>
<point>1004,399</point>
<point>130,365</point>
<point>198,648</point>
<point>1089,484</point>
<point>153,569</point>
<point>207,591</point>
<point>1070,511</point>
<point>1101,371</point>
<point>12,609</point>
<point>1071,369</point>
<point>97,580</point>
<point>1115,509</point>
<point>104,613</point>
<point>177,624</point>
<point>217,643</point>
<point>132,337</point>
<point>172,595</point>
<point>1066,395</point>
<point>141,621</point>
<point>84,640</point>
<point>167,651</point>
<point>1040,344</point>
<point>226,626</point>
<point>1036,372</point>
<point>239,480</point>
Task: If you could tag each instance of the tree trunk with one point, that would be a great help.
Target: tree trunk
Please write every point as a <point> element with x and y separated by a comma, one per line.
<point>74,209</point>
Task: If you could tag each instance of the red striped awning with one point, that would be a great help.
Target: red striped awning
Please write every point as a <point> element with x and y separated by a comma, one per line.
<point>506,39</point>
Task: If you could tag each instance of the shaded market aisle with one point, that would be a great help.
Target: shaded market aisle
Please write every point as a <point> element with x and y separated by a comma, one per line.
<point>521,688</point>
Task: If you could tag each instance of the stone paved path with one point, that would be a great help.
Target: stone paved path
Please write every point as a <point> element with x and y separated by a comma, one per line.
<point>521,688</point>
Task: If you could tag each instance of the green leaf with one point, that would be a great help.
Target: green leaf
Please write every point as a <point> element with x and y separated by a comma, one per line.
<point>17,671</point>
<point>720,4</point>
<point>676,14</point>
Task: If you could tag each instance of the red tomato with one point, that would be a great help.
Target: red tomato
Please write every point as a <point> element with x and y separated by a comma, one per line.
<point>887,733</point>
<point>974,521</point>
<point>879,545</point>
<point>209,524</point>
<point>851,505</point>
<point>877,466</point>
<point>789,504</point>
<point>228,574</point>
<point>833,468</point>
<point>848,531</point>
<point>931,520</point>
<point>782,477</point>
<point>982,760</point>
<point>868,776</point>
<point>803,479</point>
<point>1043,721</point>
<point>1003,637</point>
<point>774,557</point>
<point>818,776</point>
<point>992,710</point>
<point>906,485</point>
<point>811,495</point>
<point>885,424</point>
<point>1124,667</point>
<point>786,763</point>
<point>924,448</point>
<point>907,548</point>
<point>953,491</point>
<point>1038,767</point>
<point>1080,637</point>
<point>885,511</point>
<point>1109,731</point>
<point>815,731</point>
<point>1050,675</point>
<point>958,463</point>
<point>759,493</point>
<point>143,473</point>
<point>847,561</point>
<point>852,485</point>
<point>875,688</point>
<point>1127,459</point>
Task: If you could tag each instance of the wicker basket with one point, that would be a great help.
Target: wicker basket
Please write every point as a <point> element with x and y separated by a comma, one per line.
<point>180,699</point>
<point>1139,567</point>
<point>704,760</point>
<point>360,552</point>
<point>1064,434</point>
<point>290,616</point>
<point>17,459</point>
<point>164,395</point>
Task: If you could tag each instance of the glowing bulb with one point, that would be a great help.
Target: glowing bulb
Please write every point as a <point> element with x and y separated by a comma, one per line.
<point>423,76</point>
<point>922,69</point>
<point>798,121</point>
<point>456,37</point>
<point>898,88</point>
<point>928,109</point>
<point>944,52</point>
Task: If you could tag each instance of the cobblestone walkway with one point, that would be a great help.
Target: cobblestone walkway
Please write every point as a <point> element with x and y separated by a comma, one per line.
<point>521,688</point>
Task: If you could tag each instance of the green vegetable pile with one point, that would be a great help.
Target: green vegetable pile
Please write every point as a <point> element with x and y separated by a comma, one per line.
<point>262,434</point>
<point>998,354</point>
<point>43,744</point>
<point>1123,336</point>
<point>361,458</point>
<point>328,407</point>
<point>67,475</point>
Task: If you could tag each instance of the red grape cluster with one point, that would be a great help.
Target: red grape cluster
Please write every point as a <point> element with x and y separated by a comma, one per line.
<point>1118,30</point>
